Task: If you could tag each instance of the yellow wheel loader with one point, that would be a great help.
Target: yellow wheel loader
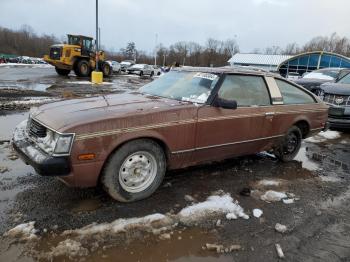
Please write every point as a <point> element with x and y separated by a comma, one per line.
<point>78,55</point>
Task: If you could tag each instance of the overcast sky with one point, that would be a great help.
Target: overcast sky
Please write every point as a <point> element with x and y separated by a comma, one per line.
<point>254,23</point>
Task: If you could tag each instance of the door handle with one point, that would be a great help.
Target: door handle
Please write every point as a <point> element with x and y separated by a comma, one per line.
<point>269,113</point>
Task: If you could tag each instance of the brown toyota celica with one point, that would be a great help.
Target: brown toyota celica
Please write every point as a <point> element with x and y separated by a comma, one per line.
<point>187,117</point>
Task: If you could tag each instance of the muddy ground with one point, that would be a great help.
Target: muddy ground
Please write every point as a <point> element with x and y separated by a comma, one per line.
<point>318,223</point>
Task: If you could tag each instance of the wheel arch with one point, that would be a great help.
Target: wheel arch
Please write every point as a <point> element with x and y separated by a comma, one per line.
<point>304,127</point>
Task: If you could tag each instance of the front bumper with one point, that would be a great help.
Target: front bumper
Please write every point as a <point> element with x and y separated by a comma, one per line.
<point>43,163</point>
<point>338,122</point>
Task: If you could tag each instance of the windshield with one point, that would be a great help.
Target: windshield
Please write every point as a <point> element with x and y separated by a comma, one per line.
<point>322,74</point>
<point>345,79</point>
<point>138,66</point>
<point>73,40</point>
<point>183,86</point>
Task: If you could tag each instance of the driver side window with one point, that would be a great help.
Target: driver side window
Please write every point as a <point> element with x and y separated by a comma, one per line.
<point>246,90</point>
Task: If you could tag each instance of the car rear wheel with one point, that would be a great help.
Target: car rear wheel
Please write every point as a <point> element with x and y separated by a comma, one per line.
<point>134,171</point>
<point>82,68</point>
<point>62,72</point>
<point>290,145</point>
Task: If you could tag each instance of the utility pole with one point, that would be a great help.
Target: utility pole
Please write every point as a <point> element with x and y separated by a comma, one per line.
<point>96,76</point>
<point>155,51</point>
<point>97,38</point>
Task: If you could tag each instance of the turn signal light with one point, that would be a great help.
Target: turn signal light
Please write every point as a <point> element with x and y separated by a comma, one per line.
<point>86,157</point>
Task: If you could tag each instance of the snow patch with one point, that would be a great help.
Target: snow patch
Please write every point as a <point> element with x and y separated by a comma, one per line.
<point>24,231</point>
<point>69,247</point>
<point>269,182</point>
<point>123,225</point>
<point>214,205</point>
<point>87,83</point>
<point>324,136</point>
<point>273,196</point>
<point>257,212</point>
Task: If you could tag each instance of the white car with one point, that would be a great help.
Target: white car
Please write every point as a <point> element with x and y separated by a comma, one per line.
<point>157,70</point>
<point>141,69</point>
<point>116,67</point>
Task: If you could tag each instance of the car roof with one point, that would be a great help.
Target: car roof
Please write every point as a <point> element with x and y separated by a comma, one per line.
<point>225,70</point>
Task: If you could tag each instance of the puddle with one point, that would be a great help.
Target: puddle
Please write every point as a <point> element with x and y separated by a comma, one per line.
<point>183,246</point>
<point>86,205</point>
<point>8,124</point>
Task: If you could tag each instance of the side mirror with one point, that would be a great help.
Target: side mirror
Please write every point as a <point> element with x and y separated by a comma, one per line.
<point>226,104</point>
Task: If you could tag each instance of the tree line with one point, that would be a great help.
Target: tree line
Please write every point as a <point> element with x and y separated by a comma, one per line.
<point>25,42</point>
<point>212,53</point>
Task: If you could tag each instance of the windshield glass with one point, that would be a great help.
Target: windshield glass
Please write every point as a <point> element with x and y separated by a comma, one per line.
<point>73,40</point>
<point>323,74</point>
<point>345,80</point>
<point>138,66</point>
<point>183,86</point>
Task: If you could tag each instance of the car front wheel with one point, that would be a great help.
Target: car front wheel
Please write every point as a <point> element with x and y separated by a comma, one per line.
<point>290,145</point>
<point>134,171</point>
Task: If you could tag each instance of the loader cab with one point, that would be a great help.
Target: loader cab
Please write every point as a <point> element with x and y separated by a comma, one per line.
<point>86,43</point>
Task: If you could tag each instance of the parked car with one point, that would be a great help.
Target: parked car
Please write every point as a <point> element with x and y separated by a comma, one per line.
<point>337,96</point>
<point>157,70</point>
<point>126,64</point>
<point>293,76</point>
<point>141,69</point>
<point>187,117</point>
<point>116,67</point>
<point>314,79</point>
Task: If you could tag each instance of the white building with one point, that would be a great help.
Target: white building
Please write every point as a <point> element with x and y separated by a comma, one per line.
<point>266,62</point>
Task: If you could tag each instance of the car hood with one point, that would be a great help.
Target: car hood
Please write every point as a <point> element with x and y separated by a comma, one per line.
<point>311,81</point>
<point>65,115</point>
<point>337,89</point>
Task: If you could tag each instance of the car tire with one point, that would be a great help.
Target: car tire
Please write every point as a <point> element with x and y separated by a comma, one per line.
<point>152,74</point>
<point>158,74</point>
<point>82,68</point>
<point>134,171</point>
<point>62,72</point>
<point>106,69</point>
<point>141,73</point>
<point>290,145</point>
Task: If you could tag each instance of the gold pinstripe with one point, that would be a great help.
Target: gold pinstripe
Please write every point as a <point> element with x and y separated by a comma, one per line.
<point>176,123</point>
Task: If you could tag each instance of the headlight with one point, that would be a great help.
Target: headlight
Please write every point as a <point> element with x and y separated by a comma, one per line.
<point>54,143</point>
<point>63,144</point>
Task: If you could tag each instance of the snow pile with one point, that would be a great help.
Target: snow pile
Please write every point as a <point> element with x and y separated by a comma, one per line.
<point>123,225</point>
<point>69,247</point>
<point>257,212</point>
<point>25,231</point>
<point>86,83</point>
<point>214,205</point>
<point>323,136</point>
<point>273,196</point>
<point>31,101</point>
<point>158,223</point>
<point>9,65</point>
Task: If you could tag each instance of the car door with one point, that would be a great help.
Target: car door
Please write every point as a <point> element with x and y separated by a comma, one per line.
<point>223,133</point>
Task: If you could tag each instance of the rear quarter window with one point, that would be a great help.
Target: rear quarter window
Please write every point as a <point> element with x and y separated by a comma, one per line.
<point>293,95</point>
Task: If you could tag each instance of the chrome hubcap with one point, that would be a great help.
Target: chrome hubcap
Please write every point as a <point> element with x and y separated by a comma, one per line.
<point>137,172</point>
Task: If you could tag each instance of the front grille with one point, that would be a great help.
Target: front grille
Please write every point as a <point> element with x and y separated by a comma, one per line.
<point>338,100</point>
<point>55,53</point>
<point>36,130</point>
